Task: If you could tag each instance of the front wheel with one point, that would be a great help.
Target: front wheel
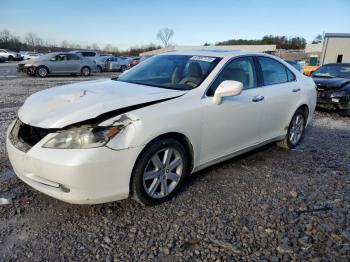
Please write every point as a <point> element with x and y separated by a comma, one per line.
<point>123,68</point>
<point>99,69</point>
<point>159,172</point>
<point>295,131</point>
<point>41,71</point>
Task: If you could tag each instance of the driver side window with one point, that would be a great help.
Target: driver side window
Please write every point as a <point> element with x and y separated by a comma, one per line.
<point>240,69</point>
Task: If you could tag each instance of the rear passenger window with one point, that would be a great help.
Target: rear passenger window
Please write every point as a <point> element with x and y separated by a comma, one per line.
<point>274,72</point>
<point>290,75</point>
<point>73,57</point>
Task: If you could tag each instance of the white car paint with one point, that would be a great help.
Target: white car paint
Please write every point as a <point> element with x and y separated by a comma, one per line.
<point>215,131</point>
<point>8,54</point>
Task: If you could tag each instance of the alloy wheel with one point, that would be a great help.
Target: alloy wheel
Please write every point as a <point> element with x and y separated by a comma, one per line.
<point>296,129</point>
<point>163,172</point>
<point>42,72</point>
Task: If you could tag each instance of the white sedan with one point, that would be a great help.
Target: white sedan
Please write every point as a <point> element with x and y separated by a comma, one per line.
<point>140,134</point>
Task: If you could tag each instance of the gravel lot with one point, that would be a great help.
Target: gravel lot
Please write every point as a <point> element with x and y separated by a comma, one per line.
<point>267,205</point>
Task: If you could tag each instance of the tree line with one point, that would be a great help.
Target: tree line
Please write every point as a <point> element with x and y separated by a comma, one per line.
<point>32,42</point>
<point>281,42</point>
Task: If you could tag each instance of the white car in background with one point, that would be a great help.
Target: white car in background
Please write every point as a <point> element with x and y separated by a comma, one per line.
<point>140,134</point>
<point>26,55</point>
<point>92,55</point>
<point>9,55</point>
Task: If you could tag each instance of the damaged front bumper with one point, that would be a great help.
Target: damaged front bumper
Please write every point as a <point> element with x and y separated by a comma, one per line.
<point>80,176</point>
<point>333,99</point>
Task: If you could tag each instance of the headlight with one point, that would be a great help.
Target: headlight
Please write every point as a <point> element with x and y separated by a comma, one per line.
<point>338,94</point>
<point>82,137</point>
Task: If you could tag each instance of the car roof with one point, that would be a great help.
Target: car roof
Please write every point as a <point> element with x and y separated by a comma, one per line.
<point>213,53</point>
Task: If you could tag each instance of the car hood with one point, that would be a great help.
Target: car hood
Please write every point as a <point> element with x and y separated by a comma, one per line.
<point>62,106</point>
<point>330,83</point>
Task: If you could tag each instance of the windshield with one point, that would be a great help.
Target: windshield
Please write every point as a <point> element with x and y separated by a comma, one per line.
<point>330,71</point>
<point>182,72</point>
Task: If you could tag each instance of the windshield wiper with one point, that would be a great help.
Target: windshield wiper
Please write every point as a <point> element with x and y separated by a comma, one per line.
<point>323,76</point>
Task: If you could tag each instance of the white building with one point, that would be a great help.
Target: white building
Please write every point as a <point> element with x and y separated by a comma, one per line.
<point>336,48</point>
<point>250,48</point>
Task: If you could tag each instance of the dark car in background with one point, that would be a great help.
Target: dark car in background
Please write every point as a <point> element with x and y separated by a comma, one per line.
<point>333,87</point>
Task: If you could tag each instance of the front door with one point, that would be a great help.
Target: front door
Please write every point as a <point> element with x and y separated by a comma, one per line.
<point>235,123</point>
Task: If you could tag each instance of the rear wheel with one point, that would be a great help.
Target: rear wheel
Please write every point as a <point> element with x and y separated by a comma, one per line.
<point>123,68</point>
<point>295,131</point>
<point>85,71</point>
<point>344,112</point>
<point>159,172</point>
<point>11,58</point>
<point>42,71</point>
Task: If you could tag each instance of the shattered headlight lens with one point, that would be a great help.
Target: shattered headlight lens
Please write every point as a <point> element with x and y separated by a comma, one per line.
<point>338,94</point>
<point>82,137</point>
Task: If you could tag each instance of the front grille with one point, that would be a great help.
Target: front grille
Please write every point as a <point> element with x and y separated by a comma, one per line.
<point>24,136</point>
<point>324,93</point>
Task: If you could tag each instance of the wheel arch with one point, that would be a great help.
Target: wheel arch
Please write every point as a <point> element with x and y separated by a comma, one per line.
<point>181,138</point>
<point>84,67</point>
<point>37,67</point>
<point>305,109</point>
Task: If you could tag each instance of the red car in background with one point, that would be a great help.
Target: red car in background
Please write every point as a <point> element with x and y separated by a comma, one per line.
<point>133,62</point>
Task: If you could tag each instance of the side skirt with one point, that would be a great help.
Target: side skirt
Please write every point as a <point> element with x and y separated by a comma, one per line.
<point>236,153</point>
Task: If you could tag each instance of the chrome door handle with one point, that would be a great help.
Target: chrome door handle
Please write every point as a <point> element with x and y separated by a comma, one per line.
<point>258,98</point>
<point>296,89</point>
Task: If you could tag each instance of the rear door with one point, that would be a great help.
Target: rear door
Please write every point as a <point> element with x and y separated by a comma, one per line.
<point>281,94</point>
<point>74,63</point>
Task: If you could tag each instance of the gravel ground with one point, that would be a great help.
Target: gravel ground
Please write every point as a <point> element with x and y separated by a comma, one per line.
<point>267,205</point>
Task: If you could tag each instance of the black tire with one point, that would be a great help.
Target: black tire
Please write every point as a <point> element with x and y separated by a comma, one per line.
<point>99,69</point>
<point>123,68</point>
<point>85,71</point>
<point>138,183</point>
<point>41,71</point>
<point>287,142</point>
<point>11,58</point>
<point>344,112</point>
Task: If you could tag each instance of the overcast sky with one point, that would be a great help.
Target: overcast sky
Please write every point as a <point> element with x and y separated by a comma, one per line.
<point>129,23</point>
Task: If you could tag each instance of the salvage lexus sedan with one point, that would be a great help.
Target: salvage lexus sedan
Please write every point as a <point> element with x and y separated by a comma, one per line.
<point>140,134</point>
<point>333,87</point>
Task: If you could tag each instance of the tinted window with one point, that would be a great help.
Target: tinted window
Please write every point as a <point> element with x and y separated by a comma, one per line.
<point>273,71</point>
<point>290,75</point>
<point>73,57</point>
<point>240,69</point>
<point>87,54</point>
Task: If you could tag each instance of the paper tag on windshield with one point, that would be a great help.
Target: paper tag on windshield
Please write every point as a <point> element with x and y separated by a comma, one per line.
<point>203,58</point>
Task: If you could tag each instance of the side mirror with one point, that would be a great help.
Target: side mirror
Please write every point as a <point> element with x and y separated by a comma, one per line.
<point>227,88</point>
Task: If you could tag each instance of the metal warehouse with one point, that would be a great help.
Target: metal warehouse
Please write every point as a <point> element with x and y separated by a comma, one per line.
<point>336,48</point>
